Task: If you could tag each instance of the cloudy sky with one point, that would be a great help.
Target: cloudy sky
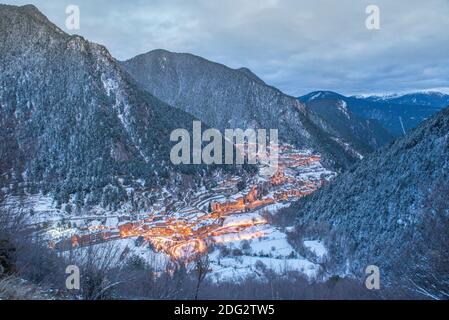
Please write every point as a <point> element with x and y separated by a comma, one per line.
<point>298,46</point>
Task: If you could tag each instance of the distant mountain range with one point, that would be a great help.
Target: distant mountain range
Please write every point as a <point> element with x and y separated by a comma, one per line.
<point>397,113</point>
<point>236,98</point>
<point>365,134</point>
<point>434,99</point>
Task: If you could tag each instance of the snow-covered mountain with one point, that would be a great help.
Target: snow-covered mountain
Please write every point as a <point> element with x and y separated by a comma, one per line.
<point>390,210</point>
<point>398,113</point>
<point>72,122</point>
<point>433,99</point>
<point>365,135</point>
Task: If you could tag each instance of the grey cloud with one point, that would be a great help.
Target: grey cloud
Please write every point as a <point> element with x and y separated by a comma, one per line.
<point>297,46</point>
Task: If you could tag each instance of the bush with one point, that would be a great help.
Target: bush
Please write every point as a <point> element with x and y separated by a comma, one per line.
<point>7,257</point>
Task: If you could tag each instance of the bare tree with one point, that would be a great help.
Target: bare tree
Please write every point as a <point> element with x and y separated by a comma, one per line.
<point>100,270</point>
<point>11,226</point>
<point>431,272</point>
<point>202,265</point>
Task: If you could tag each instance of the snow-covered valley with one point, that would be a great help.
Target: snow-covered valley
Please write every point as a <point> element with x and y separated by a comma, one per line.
<point>230,223</point>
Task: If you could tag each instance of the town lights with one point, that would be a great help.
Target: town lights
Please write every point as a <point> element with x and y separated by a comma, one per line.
<point>182,237</point>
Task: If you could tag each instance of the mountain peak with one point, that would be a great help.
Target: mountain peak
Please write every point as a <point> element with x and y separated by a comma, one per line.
<point>27,9</point>
<point>226,98</point>
<point>17,17</point>
<point>32,9</point>
<point>250,74</point>
<point>163,55</point>
<point>321,94</point>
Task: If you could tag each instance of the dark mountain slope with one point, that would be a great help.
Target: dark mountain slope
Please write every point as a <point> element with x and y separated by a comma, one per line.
<point>226,98</point>
<point>71,120</point>
<point>390,210</point>
<point>364,134</point>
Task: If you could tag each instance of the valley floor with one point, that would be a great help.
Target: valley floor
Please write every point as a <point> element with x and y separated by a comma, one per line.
<point>232,227</point>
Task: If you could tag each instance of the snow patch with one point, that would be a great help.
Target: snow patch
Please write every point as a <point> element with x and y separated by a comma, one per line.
<point>316,247</point>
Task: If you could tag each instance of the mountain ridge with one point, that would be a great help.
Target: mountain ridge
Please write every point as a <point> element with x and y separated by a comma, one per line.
<point>397,113</point>
<point>366,134</point>
<point>231,98</point>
